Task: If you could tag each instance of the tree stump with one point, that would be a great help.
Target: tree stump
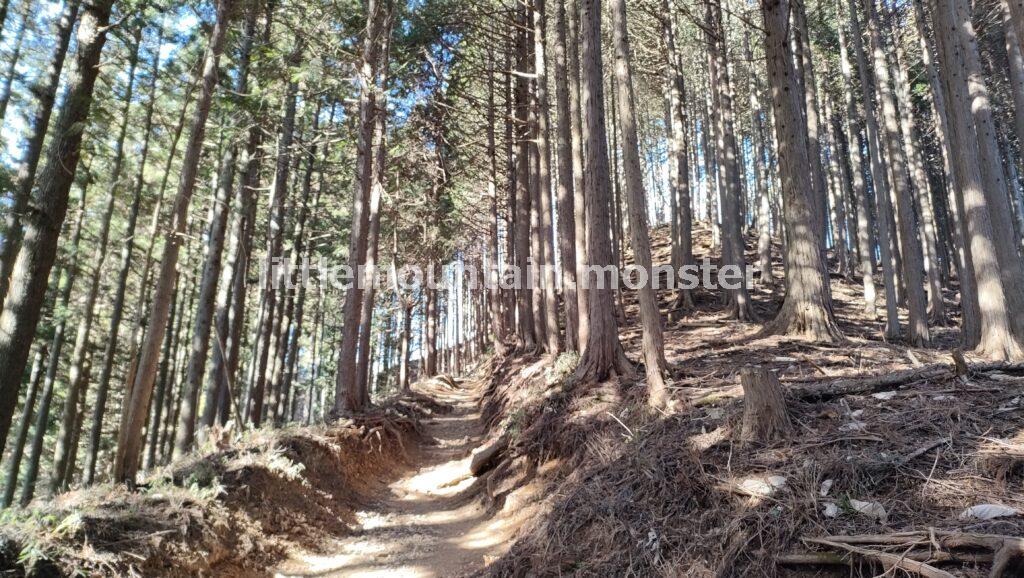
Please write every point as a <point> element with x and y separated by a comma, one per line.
<point>765,418</point>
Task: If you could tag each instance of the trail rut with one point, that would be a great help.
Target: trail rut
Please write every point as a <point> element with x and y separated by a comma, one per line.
<point>423,524</point>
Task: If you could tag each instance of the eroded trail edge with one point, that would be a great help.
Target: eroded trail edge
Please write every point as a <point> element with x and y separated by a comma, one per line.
<point>429,521</point>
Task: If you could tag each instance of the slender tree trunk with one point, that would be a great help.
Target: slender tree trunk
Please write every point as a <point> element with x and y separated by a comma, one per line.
<point>139,393</point>
<point>67,279</point>
<point>18,450</point>
<point>728,163</point>
<point>41,226</point>
<point>865,232</point>
<point>911,255</point>
<point>807,309</point>
<point>879,179</point>
<point>566,209</point>
<point>360,394</point>
<point>553,338</point>
<point>997,338</point>
<point>1015,56</point>
<point>46,93</point>
<point>761,192</point>
<point>124,267</point>
<point>578,187</point>
<point>805,69</point>
<point>526,330</point>
<point>603,356</point>
<point>650,316</point>
<point>922,186</point>
<point>1016,10</point>
<point>78,376</point>
<point>371,67</point>
<point>299,252</point>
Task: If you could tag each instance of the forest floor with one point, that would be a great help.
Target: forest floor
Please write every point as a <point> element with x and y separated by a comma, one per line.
<point>898,461</point>
<point>427,523</point>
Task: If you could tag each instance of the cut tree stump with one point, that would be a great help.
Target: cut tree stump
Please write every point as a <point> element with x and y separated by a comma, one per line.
<point>765,418</point>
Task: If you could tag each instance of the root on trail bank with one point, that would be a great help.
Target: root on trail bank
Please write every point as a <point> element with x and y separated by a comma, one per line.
<point>221,512</point>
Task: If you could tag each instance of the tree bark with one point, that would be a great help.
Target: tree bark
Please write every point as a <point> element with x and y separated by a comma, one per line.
<point>372,63</point>
<point>765,418</point>
<point>603,356</point>
<point>42,224</point>
<point>18,451</point>
<point>997,339</point>
<point>46,93</point>
<point>578,187</point>
<point>807,309</point>
<point>728,163</point>
<point>879,179</point>
<point>64,287</point>
<point>553,341</point>
<point>636,201</point>
<point>124,267</point>
<point>77,375</point>
<point>911,255</point>
<point>566,208</point>
<point>139,393</point>
<point>865,232</point>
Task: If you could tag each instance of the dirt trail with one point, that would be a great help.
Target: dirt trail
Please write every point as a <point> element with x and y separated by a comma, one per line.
<point>423,524</point>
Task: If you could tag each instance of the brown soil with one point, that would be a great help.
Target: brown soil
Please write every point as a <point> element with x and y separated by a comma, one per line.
<point>428,522</point>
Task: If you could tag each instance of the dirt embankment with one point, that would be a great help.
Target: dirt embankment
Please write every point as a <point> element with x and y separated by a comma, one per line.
<point>230,511</point>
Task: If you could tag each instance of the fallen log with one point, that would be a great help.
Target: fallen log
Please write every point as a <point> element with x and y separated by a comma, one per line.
<point>824,390</point>
<point>1007,551</point>
<point>888,560</point>
<point>489,456</point>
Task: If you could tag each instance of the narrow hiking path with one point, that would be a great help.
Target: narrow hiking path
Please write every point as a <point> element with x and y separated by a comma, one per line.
<point>426,523</point>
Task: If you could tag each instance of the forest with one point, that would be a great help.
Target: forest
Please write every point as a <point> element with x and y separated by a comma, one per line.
<point>512,288</point>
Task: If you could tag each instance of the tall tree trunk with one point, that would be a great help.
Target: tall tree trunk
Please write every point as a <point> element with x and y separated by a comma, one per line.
<point>526,331</point>
<point>554,342</point>
<point>879,179</point>
<point>221,210</point>
<point>78,376</point>
<point>46,93</point>
<point>732,233</point>
<point>865,226</point>
<point>360,394</point>
<point>807,309</point>
<point>371,65</point>
<point>18,450</point>
<point>139,393</point>
<point>300,252</point>
<point>124,267</point>
<point>761,171</point>
<point>603,356</point>
<point>650,317</point>
<point>67,279</point>
<point>566,209</point>
<point>911,255</point>
<point>805,69</point>
<point>42,225</point>
<point>1015,55</point>
<point>578,187</point>
<point>993,177</point>
<point>922,186</point>
<point>997,337</point>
